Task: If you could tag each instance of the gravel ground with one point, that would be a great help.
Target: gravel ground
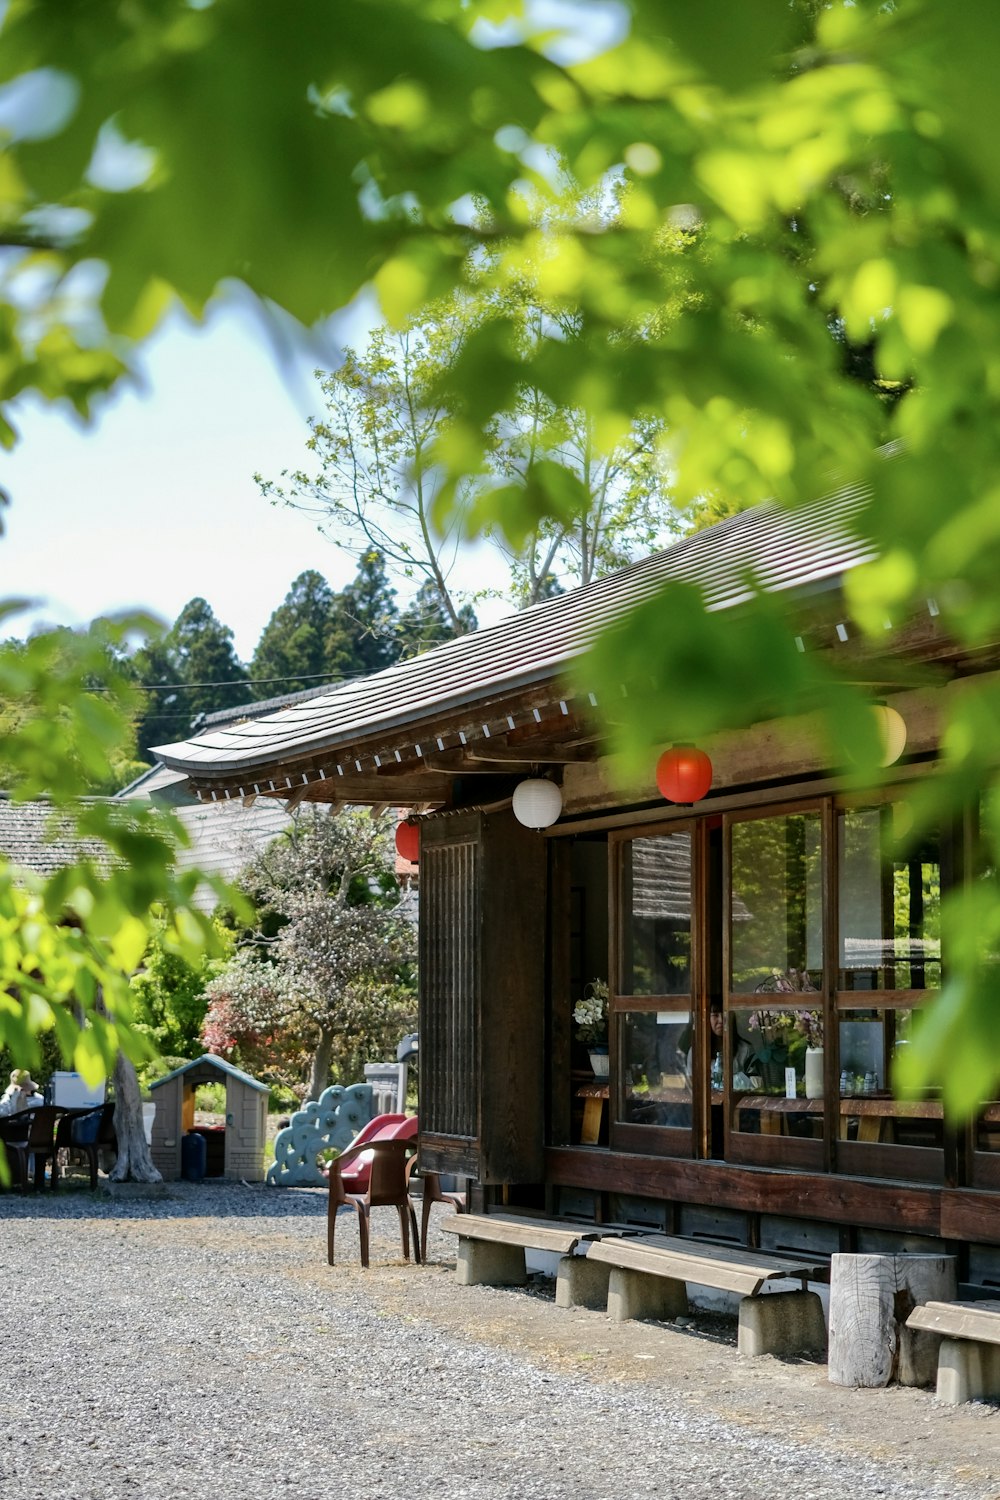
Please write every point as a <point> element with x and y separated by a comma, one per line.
<point>199,1345</point>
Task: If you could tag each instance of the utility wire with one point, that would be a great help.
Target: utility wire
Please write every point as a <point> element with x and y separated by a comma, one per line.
<point>174,687</point>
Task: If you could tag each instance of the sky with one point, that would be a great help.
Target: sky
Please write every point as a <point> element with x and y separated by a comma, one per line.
<point>156,502</point>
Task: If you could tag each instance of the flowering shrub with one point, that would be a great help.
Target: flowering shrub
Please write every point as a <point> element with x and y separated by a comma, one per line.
<point>591,1014</point>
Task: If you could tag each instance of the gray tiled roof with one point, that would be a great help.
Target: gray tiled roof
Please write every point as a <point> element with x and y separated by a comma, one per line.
<point>806,550</point>
<point>33,836</point>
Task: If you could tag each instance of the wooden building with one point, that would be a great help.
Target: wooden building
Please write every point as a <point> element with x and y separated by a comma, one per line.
<point>778,894</point>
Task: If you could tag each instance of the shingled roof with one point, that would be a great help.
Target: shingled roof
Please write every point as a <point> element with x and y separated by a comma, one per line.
<point>34,837</point>
<point>806,550</point>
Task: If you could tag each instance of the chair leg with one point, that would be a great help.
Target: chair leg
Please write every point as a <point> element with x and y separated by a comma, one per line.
<point>404,1231</point>
<point>331,1229</point>
<point>363,1233</point>
<point>417,1252</point>
<point>425,1219</point>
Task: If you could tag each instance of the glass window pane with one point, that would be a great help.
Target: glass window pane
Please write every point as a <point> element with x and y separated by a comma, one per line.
<point>890,905</point>
<point>657,916</point>
<point>869,1042</point>
<point>777,1078</point>
<point>656,1047</point>
<point>777,904</point>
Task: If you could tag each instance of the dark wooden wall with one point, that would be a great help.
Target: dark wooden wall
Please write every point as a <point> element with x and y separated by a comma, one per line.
<point>483,900</point>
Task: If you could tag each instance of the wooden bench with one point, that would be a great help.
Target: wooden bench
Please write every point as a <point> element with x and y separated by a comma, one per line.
<point>647,1278</point>
<point>969,1356</point>
<point>491,1246</point>
<point>636,1274</point>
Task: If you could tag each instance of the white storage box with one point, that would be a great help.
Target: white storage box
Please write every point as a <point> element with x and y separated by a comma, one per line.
<point>70,1092</point>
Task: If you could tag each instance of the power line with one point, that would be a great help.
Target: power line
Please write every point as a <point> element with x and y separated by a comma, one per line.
<point>241,682</point>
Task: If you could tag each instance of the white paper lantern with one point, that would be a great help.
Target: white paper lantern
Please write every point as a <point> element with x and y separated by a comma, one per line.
<point>537,803</point>
<point>891,728</point>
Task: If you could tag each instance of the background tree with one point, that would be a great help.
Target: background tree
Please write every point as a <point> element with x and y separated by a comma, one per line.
<point>375,487</point>
<point>366,617</point>
<point>169,993</point>
<point>328,965</point>
<point>425,622</point>
<point>162,715</point>
<point>299,645</point>
<point>380,482</point>
<point>212,674</point>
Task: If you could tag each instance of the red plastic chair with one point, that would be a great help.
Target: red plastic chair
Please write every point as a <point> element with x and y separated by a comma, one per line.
<point>356,1177</point>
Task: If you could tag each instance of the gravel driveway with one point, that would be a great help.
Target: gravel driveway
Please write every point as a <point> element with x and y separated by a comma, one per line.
<point>199,1345</point>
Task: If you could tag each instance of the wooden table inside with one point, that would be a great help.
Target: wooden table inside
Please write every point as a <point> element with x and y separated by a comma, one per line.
<point>870,1110</point>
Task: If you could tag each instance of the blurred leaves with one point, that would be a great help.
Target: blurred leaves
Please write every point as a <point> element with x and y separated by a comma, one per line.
<point>70,942</point>
<point>780,196</point>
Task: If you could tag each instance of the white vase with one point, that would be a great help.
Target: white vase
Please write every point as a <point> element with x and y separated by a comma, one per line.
<point>814,1072</point>
<point>599,1061</point>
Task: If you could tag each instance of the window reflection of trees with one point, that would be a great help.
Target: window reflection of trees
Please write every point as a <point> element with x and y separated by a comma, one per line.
<point>890,905</point>
<point>777,908</point>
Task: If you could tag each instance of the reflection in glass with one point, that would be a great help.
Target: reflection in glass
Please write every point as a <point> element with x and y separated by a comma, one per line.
<point>890,905</point>
<point>777,904</point>
<point>769,1050</point>
<point>988,1128</point>
<point>657,1055</point>
<point>657,916</point>
<point>870,1042</point>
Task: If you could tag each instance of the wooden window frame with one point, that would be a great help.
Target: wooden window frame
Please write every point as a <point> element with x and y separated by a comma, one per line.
<point>625,1135</point>
<point>741,1146</point>
<point>882,1159</point>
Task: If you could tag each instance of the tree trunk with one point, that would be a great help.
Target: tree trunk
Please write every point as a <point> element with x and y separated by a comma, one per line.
<point>871,1297</point>
<point>134,1164</point>
<point>319,1075</point>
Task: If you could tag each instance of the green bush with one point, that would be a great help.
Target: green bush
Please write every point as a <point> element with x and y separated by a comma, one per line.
<point>211,1097</point>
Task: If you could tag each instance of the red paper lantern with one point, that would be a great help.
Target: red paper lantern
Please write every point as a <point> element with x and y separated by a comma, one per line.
<point>684,774</point>
<point>408,841</point>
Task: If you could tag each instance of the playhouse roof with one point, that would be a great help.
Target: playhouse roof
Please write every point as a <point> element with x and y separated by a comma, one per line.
<point>205,1070</point>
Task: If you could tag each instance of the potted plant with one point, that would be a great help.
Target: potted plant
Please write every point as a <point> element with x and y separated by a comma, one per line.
<point>591,1016</point>
<point>782,1038</point>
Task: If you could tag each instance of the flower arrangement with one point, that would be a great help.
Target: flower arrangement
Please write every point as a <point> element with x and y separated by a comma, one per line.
<point>783,1033</point>
<point>591,1014</point>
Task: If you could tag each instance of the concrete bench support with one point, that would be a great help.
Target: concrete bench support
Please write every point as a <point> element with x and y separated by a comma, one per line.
<point>967,1337</point>
<point>582,1283</point>
<point>487,1263</point>
<point>782,1323</point>
<point>968,1371</point>
<point>641,1294</point>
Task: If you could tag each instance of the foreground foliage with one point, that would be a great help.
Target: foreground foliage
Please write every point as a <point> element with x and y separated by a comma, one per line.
<point>806,191</point>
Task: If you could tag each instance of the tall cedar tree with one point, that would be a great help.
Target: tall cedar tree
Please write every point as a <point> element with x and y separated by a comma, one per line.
<point>366,617</point>
<point>212,673</point>
<point>300,642</point>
